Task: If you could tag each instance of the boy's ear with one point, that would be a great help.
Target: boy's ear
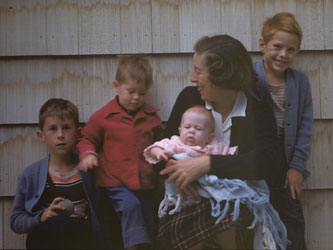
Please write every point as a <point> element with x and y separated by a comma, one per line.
<point>78,131</point>
<point>40,135</point>
<point>297,51</point>
<point>261,44</point>
<point>116,85</point>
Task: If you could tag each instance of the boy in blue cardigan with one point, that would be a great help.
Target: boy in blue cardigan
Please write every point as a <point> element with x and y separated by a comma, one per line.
<point>42,188</point>
<point>289,93</point>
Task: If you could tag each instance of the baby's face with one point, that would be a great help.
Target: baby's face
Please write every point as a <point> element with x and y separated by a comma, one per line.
<point>195,129</point>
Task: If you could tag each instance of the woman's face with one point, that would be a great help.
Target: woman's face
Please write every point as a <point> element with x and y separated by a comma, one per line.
<point>200,76</point>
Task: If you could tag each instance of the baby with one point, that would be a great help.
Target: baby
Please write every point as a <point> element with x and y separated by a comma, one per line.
<point>195,139</point>
<point>196,133</point>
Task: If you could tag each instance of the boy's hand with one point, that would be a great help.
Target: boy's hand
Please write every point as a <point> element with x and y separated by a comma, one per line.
<point>51,211</point>
<point>294,180</point>
<point>159,154</point>
<point>89,161</point>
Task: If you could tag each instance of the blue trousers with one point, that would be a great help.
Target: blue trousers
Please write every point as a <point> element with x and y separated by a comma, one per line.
<point>290,210</point>
<point>291,214</point>
<point>136,212</point>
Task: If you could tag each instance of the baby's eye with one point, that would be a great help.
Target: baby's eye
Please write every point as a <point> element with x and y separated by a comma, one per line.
<point>53,128</point>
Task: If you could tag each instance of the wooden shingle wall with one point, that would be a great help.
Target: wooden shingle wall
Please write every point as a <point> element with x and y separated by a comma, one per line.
<point>68,48</point>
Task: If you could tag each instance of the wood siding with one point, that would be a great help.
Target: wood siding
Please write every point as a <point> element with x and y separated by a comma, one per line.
<point>27,82</point>
<point>73,27</point>
<point>69,48</point>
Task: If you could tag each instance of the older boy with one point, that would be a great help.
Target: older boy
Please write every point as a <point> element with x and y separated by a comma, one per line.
<point>46,183</point>
<point>289,93</point>
<point>113,141</point>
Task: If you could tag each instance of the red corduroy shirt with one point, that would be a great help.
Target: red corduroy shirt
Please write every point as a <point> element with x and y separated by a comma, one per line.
<point>119,141</point>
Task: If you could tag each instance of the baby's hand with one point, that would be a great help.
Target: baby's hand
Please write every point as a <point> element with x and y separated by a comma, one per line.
<point>159,154</point>
<point>89,161</point>
<point>52,210</point>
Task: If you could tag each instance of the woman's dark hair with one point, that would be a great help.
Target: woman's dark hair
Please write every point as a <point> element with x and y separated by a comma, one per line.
<point>228,62</point>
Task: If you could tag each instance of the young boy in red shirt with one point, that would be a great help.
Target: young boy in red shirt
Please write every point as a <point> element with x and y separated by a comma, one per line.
<point>113,141</point>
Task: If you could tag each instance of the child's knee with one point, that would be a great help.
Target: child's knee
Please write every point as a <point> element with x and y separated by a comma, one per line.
<point>130,205</point>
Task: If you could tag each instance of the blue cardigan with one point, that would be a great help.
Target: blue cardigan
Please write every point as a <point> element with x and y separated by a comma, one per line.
<point>298,115</point>
<point>31,183</point>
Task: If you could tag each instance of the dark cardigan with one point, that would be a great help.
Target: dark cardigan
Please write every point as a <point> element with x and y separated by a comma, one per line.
<point>255,134</point>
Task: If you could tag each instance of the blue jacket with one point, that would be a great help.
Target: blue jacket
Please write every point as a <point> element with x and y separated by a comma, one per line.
<point>298,115</point>
<point>31,183</point>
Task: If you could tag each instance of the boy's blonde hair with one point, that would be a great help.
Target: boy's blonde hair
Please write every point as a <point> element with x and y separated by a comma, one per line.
<point>136,68</point>
<point>57,107</point>
<point>282,21</point>
<point>203,110</point>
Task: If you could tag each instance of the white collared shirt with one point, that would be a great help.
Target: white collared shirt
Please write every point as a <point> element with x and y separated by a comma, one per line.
<point>222,133</point>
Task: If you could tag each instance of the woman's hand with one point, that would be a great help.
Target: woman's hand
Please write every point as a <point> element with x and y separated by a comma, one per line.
<point>184,172</point>
<point>52,210</point>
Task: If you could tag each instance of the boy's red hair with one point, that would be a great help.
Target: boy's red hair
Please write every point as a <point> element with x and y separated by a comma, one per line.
<point>282,21</point>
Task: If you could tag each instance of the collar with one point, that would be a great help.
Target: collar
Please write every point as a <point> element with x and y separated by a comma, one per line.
<point>113,107</point>
<point>222,130</point>
<point>239,106</point>
<point>260,68</point>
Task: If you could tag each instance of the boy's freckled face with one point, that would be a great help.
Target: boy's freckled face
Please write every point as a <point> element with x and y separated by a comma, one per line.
<point>131,94</point>
<point>279,53</point>
<point>60,135</point>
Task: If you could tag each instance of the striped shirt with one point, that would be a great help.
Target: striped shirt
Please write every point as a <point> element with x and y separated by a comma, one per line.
<point>279,99</point>
<point>66,185</point>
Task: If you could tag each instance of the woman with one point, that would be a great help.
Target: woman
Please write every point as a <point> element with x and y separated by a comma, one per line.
<point>224,77</point>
